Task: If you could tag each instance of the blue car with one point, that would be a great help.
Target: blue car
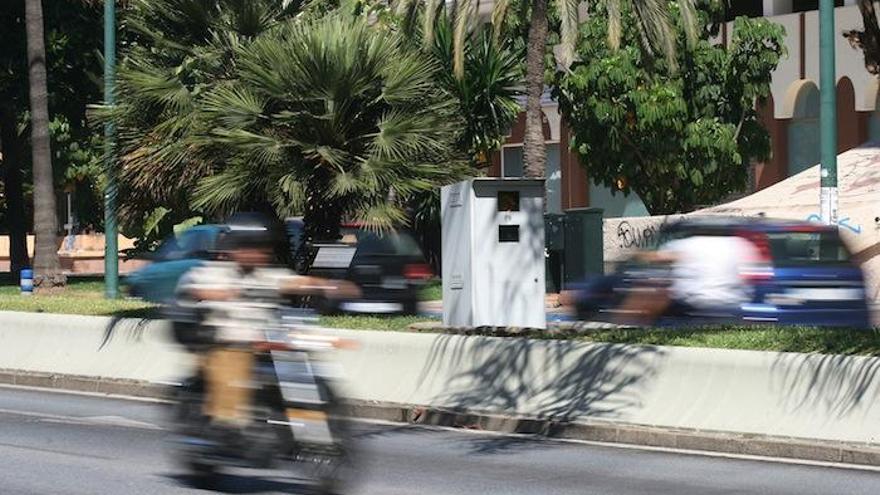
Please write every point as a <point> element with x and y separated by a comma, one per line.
<point>157,281</point>
<point>806,276</point>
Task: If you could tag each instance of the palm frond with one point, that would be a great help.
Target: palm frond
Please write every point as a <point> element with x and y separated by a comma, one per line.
<point>429,20</point>
<point>464,15</point>
<point>656,31</point>
<point>499,15</point>
<point>234,105</point>
<point>401,7</point>
<point>568,30</point>
<point>222,192</point>
<point>615,31</point>
<point>259,148</point>
<point>380,216</point>
<point>689,20</point>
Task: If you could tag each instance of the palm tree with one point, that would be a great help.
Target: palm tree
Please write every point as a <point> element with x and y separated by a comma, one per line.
<point>179,49</point>
<point>46,264</point>
<point>487,101</point>
<point>198,70</point>
<point>656,34</point>
<point>333,118</point>
<point>487,92</point>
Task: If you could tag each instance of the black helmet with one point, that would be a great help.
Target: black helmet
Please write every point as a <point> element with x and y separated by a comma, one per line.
<point>248,230</point>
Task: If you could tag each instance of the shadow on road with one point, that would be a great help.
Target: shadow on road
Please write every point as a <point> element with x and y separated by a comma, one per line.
<point>496,445</point>
<point>365,432</point>
<point>242,484</point>
<point>478,444</point>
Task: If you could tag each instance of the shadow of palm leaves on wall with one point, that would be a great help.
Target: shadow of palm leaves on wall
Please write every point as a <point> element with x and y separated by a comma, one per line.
<point>123,322</point>
<point>546,379</point>
<point>826,382</point>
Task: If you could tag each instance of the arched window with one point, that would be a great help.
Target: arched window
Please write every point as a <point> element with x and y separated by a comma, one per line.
<point>803,130</point>
<point>848,133</point>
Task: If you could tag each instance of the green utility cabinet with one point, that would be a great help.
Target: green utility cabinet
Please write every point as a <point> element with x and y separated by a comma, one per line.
<point>554,245</point>
<point>572,247</point>
<point>583,252</point>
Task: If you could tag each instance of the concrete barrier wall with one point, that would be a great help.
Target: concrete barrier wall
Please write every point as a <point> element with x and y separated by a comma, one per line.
<point>80,345</point>
<point>780,394</point>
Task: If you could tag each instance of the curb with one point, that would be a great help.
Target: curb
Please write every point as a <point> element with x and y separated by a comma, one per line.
<point>625,433</point>
<point>78,383</point>
<point>594,431</point>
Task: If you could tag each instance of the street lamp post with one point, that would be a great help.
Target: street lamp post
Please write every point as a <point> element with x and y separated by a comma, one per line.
<point>111,251</point>
<point>827,115</point>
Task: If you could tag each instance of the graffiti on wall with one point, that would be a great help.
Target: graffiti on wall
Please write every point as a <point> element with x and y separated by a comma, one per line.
<point>643,236</point>
<point>842,223</point>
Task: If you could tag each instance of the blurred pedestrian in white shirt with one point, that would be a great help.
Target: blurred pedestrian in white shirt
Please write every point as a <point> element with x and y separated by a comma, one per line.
<point>706,274</point>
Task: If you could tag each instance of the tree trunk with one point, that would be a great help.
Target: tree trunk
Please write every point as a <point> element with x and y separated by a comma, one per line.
<point>10,144</point>
<point>47,268</point>
<point>322,222</point>
<point>533,147</point>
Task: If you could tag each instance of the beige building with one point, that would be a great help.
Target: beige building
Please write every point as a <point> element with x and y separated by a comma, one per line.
<point>791,115</point>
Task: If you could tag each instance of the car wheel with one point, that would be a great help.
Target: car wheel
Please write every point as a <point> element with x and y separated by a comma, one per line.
<point>411,307</point>
<point>326,306</point>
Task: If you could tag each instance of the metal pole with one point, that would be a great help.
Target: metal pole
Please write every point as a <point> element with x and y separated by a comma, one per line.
<point>827,114</point>
<point>111,251</point>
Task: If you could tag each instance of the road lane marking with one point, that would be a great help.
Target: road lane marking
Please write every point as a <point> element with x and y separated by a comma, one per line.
<point>84,393</point>
<point>629,446</point>
<point>78,455</point>
<point>669,450</point>
<point>118,421</point>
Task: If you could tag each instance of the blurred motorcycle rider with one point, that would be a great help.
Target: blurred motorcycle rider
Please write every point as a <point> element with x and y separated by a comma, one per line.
<point>240,294</point>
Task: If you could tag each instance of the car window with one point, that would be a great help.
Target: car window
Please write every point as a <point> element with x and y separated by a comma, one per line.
<point>185,244</point>
<point>388,243</point>
<point>807,248</point>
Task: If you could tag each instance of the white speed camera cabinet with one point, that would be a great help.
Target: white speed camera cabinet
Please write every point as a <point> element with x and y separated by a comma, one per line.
<point>493,253</point>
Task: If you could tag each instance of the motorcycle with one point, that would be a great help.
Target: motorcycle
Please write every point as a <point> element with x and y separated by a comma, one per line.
<point>295,415</point>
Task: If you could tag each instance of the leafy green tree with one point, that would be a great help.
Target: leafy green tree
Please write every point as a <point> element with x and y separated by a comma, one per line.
<point>333,118</point>
<point>678,138</point>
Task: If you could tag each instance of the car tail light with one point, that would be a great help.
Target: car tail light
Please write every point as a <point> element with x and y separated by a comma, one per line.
<point>760,267</point>
<point>418,271</point>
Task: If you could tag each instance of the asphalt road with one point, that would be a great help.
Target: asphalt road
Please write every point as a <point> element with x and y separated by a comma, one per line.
<point>68,444</point>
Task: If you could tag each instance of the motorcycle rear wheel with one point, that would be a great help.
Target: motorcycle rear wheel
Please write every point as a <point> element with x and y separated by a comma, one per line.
<point>331,468</point>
